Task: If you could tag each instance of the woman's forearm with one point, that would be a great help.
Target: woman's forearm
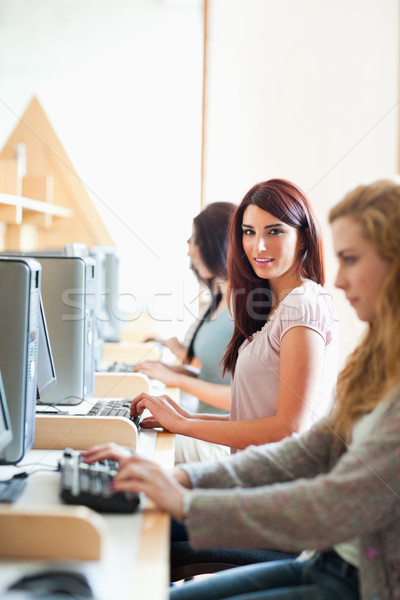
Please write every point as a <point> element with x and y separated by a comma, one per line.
<point>210,417</point>
<point>185,370</point>
<point>236,434</point>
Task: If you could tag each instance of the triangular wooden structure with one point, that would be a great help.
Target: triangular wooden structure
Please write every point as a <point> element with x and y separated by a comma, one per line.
<point>48,205</point>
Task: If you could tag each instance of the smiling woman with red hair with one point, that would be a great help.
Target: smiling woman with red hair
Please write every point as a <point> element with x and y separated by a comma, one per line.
<point>283,350</point>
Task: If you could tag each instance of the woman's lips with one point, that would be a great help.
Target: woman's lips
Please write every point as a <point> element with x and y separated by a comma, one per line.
<point>263,261</point>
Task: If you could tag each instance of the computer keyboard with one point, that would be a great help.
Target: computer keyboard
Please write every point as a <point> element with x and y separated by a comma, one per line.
<point>120,367</point>
<point>157,387</point>
<point>89,484</point>
<point>106,407</point>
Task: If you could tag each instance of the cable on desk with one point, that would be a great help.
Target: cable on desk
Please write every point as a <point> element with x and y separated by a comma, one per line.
<point>12,488</point>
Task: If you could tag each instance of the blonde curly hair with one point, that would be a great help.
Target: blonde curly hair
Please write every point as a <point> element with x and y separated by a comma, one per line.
<point>373,369</point>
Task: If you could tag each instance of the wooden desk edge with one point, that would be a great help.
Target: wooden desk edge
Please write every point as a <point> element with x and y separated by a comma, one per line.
<point>81,432</point>
<point>155,533</point>
<point>29,532</point>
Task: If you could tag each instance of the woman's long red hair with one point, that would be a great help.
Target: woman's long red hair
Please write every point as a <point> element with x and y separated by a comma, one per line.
<point>249,295</point>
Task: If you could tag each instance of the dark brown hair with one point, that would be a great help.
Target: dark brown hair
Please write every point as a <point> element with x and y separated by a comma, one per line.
<point>211,230</point>
<point>289,204</point>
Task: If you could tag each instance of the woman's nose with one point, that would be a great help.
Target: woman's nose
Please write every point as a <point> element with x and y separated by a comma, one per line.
<point>339,280</point>
<point>260,244</point>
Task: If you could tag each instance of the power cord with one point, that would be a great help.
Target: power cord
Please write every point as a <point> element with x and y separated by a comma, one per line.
<point>24,474</point>
<point>11,489</point>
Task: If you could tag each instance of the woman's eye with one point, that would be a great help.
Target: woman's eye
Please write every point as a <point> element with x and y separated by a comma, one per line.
<point>247,231</point>
<point>276,231</point>
<point>349,260</point>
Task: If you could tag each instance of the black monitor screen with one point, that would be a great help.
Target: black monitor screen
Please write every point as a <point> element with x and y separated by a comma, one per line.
<point>46,373</point>
<point>5,423</point>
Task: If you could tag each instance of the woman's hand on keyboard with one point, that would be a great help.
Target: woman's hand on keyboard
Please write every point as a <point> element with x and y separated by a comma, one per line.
<point>102,451</point>
<point>165,412</point>
<point>137,474</point>
<point>160,371</point>
<point>172,344</point>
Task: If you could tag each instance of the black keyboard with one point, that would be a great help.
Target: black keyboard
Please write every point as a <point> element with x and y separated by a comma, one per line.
<point>105,407</point>
<point>89,485</point>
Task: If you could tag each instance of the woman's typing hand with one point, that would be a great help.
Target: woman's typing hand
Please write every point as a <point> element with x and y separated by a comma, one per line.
<point>137,474</point>
<point>158,370</point>
<point>103,451</point>
<point>164,412</point>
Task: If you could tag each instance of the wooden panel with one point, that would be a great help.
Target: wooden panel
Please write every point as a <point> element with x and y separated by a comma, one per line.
<point>130,352</point>
<point>81,432</point>
<point>120,385</point>
<point>155,535</point>
<point>55,237</point>
<point>41,220</point>
<point>36,187</point>
<point>153,555</point>
<point>11,215</point>
<point>21,237</point>
<point>9,176</point>
<point>30,533</point>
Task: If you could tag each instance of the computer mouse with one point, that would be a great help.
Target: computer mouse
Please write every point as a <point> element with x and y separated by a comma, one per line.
<point>57,583</point>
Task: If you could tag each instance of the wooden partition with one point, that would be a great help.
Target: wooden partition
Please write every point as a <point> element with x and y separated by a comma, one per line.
<point>28,532</point>
<point>81,432</point>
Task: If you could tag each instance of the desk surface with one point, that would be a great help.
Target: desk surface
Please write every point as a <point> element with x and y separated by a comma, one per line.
<point>135,551</point>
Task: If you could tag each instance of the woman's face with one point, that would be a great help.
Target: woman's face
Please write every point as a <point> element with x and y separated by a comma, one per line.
<point>271,247</point>
<point>362,270</point>
<point>196,258</point>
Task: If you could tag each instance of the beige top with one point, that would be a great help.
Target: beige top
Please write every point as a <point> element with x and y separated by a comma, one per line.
<point>256,382</point>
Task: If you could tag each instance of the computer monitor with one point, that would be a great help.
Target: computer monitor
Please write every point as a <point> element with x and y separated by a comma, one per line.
<point>19,325</point>
<point>76,249</point>
<point>68,298</point>
<point>5,423</point>
<point>46,373</point>
<point>111,292</point>
<point>100,314</point>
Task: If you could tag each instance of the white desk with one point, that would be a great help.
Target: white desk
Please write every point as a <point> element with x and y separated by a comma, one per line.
<point>134,553</point>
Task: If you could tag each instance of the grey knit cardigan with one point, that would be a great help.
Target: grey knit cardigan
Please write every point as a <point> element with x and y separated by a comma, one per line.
<point>302,493</point>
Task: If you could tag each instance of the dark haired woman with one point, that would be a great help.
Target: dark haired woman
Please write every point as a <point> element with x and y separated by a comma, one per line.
<point>283,351</point>
<point>207,250</point>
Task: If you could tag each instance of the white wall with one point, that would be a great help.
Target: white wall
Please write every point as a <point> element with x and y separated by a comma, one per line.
<point>121,83</point>
<point>306,90</point>
<point>301,89</point>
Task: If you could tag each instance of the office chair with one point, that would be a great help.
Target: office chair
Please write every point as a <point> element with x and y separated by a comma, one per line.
<point>187,562</point>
